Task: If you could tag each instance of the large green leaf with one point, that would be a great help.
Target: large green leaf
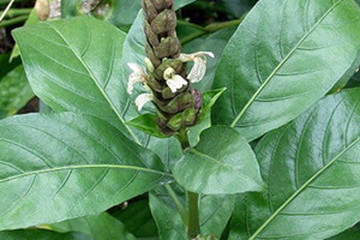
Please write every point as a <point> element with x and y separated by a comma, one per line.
<point>214,213</point>
<point>312,170</point>
<point>57,167</point>
<point>15,92</point>
<point>97,227</point>
<point>222,163</point>
<point>39,234</point>
<point>75,65</point>
<point>285,56</point>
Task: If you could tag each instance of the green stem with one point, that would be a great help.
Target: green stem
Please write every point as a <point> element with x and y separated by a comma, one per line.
<point>213,27</point>
<point>6,10</point>
<point>14,21</point>
<point>193,222</point>
<point>17,12</point>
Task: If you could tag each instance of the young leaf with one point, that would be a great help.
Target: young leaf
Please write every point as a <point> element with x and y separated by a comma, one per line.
<point>65,166</point>
<point>97,227</point>
<point>222,163</point>
<point>73,65</point>
<point>15,92</point>
<point>40,234</point>
<point>147,123</point>
<point>137,219</point>
<point>312,169</point>
<point>284,57</point>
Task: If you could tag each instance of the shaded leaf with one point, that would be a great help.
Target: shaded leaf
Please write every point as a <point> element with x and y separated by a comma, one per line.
<point>15,92</point>
<point>98,227</point>
<point>39,234</point>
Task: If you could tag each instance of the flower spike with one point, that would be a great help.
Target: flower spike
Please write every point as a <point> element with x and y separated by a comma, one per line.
<point>197,72</point>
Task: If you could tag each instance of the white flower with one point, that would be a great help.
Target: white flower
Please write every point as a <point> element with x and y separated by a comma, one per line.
<point>138,75</point>
<point>142,99</point>
<point>173,80</point>
<point>198,70</point>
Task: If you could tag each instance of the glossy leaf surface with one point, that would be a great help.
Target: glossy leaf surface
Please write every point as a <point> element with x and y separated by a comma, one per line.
<point>222,163</point>
<point>312,170</point>
<point>284,57</point>
<point>64,166</point>
<point>71,67</point>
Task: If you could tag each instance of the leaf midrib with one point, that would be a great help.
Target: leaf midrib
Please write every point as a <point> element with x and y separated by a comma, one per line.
<point>97,84</point>
<point>266,82</point>
<point>88,166</point>
<point>302,188</point>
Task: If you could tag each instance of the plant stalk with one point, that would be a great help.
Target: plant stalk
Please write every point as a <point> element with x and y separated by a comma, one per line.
<point>6,10</point>
<point>17,12</point>
<point>193,222</point>
<point>14,21</point>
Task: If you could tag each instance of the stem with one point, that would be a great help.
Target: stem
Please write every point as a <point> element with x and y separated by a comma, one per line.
<point>193,223</point>
<point>16,12</point>
<point>13,21</point>
<point>6,10</point>
<point>213,27</point>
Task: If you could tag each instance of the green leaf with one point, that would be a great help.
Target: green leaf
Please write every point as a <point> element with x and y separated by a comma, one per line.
<point>168,149</point>
<point>204,120</point>
<point>147,123</point>
<point>215,211</point>
<point>39,234</point>
<point>71,67</point>
<point>311,167</point>
<point>98,227</point>
<point>7,66</point>
<point>280,63</point>
<point>15,92</point>
<point>222,163</point>
<point>137,219</point>
<point>63,166</point>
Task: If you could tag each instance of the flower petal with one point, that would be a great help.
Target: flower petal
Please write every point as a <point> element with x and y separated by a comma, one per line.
<point>142,99</point>
<point>176,83</point>
<point>136,68</point>
<point>198,71</point>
